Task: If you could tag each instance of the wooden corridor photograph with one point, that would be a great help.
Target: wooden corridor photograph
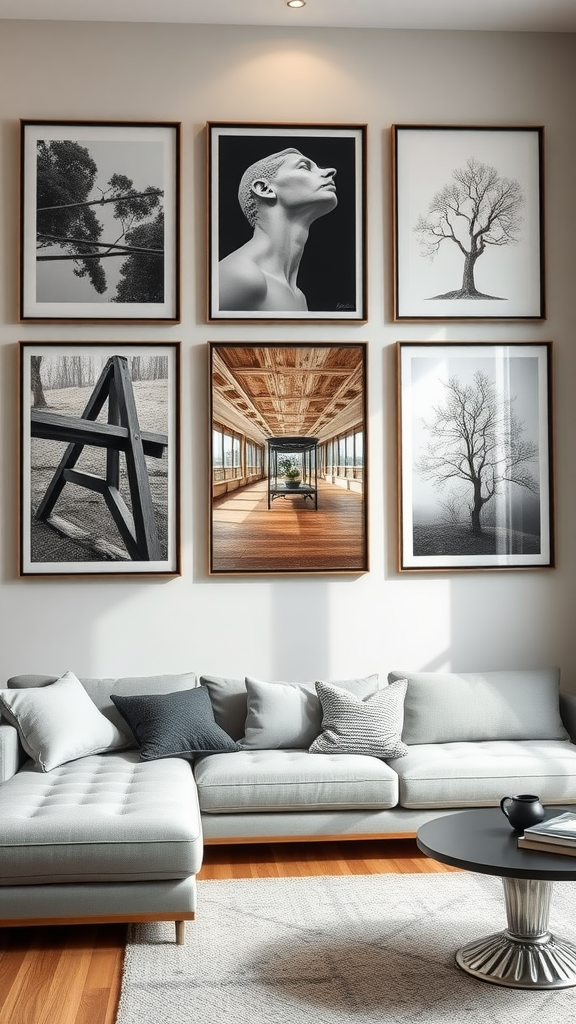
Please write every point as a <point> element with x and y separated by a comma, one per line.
<point>288,458</point>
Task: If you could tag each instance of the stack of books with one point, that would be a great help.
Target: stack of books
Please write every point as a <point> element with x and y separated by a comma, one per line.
<point>557,835</point>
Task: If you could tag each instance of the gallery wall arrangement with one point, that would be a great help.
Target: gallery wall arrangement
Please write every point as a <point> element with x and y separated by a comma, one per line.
<point>288,420</point>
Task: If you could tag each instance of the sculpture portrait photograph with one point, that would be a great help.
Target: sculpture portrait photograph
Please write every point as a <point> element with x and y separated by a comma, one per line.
<point>286,223</point>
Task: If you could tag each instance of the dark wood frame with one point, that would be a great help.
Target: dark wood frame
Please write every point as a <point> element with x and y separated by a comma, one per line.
<point>325,249</point>
<point>424,157</point>
<point>108,420</point>
<point>167,169</point>
<point>511,523</point>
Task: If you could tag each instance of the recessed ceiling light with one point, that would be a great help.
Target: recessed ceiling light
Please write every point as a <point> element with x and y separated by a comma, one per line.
<point>296,3</point>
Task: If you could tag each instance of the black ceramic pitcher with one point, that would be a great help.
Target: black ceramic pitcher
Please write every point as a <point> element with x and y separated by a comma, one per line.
<point>523,810</point>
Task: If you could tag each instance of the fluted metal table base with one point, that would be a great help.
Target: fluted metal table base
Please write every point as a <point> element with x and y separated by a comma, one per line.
<point>525,954</point>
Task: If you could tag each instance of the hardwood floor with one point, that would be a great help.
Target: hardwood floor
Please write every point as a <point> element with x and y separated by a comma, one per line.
<point>248,536</point>
<point>71,975</point>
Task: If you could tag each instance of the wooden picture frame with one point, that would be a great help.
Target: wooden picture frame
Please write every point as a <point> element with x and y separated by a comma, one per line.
<point>468,223</point>
<point>287,231</point>
<point>475,456</point>
<point>288,486</point>
<point>99,225</point>
<point>99,458</point>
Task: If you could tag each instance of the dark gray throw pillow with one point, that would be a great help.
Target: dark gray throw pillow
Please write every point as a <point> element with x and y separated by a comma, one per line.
<point>177,724</point>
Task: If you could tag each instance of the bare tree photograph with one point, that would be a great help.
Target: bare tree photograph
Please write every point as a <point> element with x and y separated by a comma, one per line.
<point>99,221</point>
<point>475,456</point>
<point>468,211</point>
<point>99,459</point>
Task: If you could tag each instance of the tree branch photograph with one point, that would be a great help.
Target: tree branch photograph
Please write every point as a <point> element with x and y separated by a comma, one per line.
<point>99,458</point>
<point>475,461</point>
<point>468,223</point>
<point>99,221</point>
<point>287,222</point>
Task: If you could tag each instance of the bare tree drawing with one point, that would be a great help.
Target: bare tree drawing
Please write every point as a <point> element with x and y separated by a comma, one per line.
<point>477,211</point>
<point>476,439</point>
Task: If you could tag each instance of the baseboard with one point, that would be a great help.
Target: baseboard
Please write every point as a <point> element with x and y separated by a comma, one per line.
<point>340,838</point>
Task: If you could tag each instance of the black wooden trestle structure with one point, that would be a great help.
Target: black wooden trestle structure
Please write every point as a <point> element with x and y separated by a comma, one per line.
<point>120,434</point>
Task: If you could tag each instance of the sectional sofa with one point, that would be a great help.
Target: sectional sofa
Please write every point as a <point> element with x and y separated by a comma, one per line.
<point>110,787</point>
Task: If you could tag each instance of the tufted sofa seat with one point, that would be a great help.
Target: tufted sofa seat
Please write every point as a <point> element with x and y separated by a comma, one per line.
<point>450,775</point>
<point>108,817</point>
<point>105,837</point>
<point>293,780</point>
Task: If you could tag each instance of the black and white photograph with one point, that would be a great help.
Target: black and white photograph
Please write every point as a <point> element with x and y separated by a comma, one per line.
<point>468,223</point>
<point>288,458</point>
<point>287,222</point>
<point>99,221</point>
<point>475,459</point>
<point>99,458</point>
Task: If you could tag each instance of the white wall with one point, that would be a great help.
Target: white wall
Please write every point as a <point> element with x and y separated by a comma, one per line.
<point>313,626</point>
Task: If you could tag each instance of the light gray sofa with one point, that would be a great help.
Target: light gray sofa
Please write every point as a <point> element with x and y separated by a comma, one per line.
<point>111,837</point>
<point>472,738</point>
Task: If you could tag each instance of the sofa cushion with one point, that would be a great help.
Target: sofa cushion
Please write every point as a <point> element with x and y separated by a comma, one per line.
<point>351,725</point>
<point>449,707</point>
<point>289,715</point>
<point>59,723</point>
<point>99,690</point>
<point>109,817</point>
<point>292,780</point>
<point>228,698</point>
<point>479,774</point>
<point>179,724</point>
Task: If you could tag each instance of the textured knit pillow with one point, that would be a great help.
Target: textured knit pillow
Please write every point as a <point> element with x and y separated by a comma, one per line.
<point>59,722</point>
<point>179,724</point>
<point>351,725</point>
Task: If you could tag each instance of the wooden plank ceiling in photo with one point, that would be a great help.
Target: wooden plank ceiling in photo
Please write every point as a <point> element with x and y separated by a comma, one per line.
<point>274,391</point>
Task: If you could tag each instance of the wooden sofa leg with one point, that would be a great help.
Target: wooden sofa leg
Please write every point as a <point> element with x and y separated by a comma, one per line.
<point>180,932</point>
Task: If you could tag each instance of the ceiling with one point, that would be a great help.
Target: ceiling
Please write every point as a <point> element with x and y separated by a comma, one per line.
<point>276,390</point>
<point>490,15</point>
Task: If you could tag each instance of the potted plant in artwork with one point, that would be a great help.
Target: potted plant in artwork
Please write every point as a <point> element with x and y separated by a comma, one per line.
<point>290,470</point>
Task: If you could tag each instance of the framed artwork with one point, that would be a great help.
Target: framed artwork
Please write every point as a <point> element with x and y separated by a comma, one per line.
<point>288,458</point>
<point>468,223</point>
<point>287,232</point>
<point>475,460</point>
<point>99,458</point>
<point>99,225</point>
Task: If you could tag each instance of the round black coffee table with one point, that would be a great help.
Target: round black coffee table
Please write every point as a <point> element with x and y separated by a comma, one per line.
<point>525,954</point>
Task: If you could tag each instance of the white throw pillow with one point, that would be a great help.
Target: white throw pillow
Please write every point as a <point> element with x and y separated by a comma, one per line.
<point>59,722</point>
<point>351,725</point>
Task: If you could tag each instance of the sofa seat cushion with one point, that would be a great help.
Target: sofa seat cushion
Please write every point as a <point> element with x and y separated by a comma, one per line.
<point>108,817</point>
<point>292,780</point>
<point>479,774</point>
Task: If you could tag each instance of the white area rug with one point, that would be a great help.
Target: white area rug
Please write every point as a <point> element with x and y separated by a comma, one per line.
<point>354,949</point>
